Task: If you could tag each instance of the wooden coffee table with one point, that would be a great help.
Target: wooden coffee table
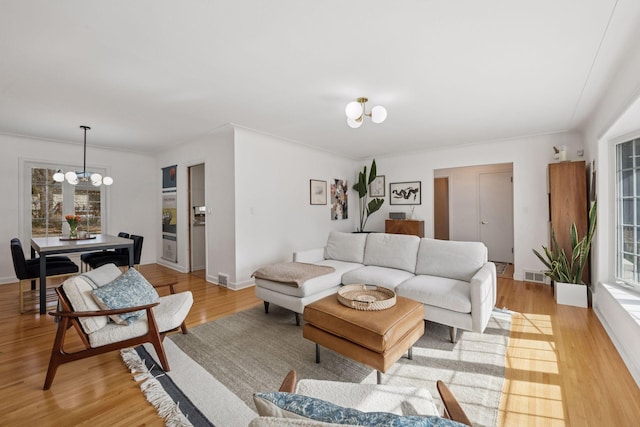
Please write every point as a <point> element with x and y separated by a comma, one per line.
<point>374,338</point>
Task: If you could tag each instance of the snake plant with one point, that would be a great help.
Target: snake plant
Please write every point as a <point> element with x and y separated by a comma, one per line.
<point>562,268</point>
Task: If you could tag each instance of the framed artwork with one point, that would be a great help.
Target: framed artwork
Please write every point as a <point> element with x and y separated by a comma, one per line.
<point>339,199</point>
<point>317,192</point>
<point>405,193</point>
<point>376,189</point>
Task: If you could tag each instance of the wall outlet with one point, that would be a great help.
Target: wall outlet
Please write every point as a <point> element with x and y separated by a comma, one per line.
<point>580,153</point>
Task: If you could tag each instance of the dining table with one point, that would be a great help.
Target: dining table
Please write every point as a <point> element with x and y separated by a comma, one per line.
<point>53,245</point>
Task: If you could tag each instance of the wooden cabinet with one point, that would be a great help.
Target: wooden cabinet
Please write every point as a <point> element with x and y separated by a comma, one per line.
<point>567,201</point>
<point>404,226</point>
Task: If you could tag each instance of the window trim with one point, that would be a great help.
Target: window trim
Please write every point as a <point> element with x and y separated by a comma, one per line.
<point>615,210</point>
<point>24,210</point>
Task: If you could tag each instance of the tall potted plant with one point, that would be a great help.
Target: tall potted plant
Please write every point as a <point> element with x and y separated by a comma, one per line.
<point>566,272</point>
<point>366,206</point>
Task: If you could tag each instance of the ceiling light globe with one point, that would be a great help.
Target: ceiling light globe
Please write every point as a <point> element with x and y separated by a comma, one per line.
<point>353,110</point>
<point>107,180</point>
<point>354,124</point>
<point>96,177</point>
<point>71,176</point>
<point>378,114</point>
<point>73,181</point>
<point>58,176</point>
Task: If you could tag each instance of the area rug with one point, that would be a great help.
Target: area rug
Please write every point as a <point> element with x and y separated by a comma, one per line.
<point>217,367</point>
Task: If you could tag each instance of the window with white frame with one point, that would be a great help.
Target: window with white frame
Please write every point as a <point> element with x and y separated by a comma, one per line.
<point>50,201</point>
<point>628,211</point>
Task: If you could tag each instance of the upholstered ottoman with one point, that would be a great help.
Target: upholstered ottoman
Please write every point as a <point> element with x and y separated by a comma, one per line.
<point>374,338</point>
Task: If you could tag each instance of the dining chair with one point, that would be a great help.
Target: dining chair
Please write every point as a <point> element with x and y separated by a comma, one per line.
<point>29,269</point>
<point>121,259</point>
<point>86,257</point>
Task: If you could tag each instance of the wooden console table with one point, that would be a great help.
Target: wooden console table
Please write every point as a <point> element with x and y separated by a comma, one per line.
<point>404,226</point>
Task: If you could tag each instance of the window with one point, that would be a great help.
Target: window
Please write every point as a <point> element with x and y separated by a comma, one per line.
<point>628,211</point>
<point>50,201</point>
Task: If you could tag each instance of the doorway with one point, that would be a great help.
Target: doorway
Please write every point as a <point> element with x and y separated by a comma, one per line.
<point>479,206</point>
<point>197,218</point>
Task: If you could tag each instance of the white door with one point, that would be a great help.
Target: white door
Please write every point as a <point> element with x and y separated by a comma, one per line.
<point>496,215</point>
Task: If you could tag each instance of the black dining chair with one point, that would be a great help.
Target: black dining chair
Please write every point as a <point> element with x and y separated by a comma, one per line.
<point>121,259</point>
<point>87,257</point>
<point>29,269</point>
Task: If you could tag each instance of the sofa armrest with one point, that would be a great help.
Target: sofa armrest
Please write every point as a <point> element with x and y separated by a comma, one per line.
<point>483,296</point>
<point>310,256</point>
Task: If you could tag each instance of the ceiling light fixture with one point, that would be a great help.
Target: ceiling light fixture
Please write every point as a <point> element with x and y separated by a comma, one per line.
<point>74,178</point>
<point>356,111</point>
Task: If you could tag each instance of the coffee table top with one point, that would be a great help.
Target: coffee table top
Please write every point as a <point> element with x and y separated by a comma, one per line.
<point>328,310</point>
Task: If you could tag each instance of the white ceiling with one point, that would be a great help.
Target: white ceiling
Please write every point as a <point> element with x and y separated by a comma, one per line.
<point>149,74</point>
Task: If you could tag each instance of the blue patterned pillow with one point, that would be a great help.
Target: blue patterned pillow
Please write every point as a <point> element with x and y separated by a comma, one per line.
<point>301,406</point>
<point>128,290</point>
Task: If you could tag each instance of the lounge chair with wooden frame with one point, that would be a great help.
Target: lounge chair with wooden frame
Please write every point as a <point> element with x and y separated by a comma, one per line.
<point>371,398</point>
<point>79,310</point>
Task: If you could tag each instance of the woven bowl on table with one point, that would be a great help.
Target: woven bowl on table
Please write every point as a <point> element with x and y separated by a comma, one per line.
<point>366,297</point>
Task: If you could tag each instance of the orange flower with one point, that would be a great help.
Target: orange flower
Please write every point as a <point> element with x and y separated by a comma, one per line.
<point>72,219</point>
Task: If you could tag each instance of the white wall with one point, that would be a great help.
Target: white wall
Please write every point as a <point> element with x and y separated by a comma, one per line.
<point>617,116</point>
<point>530,157</point>
<point>273,213</point>
<point>215,151</point>
<point>131,203</point>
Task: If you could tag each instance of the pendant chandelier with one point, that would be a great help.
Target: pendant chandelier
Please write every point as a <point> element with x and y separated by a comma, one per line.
<point>74,178</point>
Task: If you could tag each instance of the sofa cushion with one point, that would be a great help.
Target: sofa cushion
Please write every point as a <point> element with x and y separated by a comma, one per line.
<point>78,290</point>
<point>450,294</point>
<point>130,289</point>
<point>373,275</point>
<point>392,250</point>
<point>314,285</point>
<point>347,247</point>
<point>288,405</point>
<point>445,258</point>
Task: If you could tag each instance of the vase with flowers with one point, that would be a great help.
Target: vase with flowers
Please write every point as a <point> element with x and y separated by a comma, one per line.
<point>73,221</point>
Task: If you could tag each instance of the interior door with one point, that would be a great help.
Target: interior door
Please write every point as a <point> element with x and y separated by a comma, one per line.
<point>441,208</point>
<point>496,215</point>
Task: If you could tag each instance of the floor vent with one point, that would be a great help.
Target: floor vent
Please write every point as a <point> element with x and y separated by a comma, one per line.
<point>534,276</point>
<point>222,279</point>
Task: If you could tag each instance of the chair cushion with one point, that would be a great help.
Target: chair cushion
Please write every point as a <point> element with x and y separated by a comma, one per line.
<point>78,291</point>
<point>445,258</point>
<point>347,247</point>
<point>397,251</point>
<point>400,400</point>
<point>129,290</point>
<point>287,405</point>
<point>169,314</point>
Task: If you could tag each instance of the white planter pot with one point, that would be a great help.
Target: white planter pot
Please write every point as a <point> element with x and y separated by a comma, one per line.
<point>571,294</point>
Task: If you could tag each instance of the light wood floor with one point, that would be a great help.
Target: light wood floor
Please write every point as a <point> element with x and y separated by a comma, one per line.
<point>562,369</point>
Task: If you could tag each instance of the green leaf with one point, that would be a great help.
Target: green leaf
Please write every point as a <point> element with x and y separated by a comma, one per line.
<point>373,173</point>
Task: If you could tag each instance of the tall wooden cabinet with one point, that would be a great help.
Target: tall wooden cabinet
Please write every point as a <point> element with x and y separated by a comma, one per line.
<point>567,201</point>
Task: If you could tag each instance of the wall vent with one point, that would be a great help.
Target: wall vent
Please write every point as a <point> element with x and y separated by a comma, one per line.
<point>223,279</point>
<point>535,276</point>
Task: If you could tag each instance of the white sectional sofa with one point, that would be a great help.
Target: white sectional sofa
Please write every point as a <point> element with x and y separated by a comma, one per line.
<point>454,280</point>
